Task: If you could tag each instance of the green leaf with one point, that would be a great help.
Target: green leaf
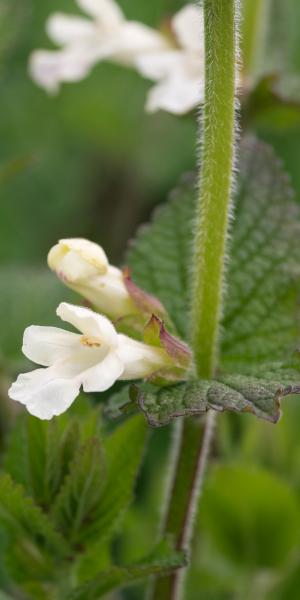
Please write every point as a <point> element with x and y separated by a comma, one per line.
<point>237,393</point>
<point>124,449</point>
<point>15,454</point>
<point>261,320</point>
<point>159,563</point>
<point>39,453</point>
<point>44,458</point>
<point>159,257</point>
<point>264,255</point>
<point>35,542</point>
<point>95,558</point>
<point>81,492</point>
<point>260,328</point>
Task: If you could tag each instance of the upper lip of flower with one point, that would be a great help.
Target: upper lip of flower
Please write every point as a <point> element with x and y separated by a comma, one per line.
<point>83,266</point>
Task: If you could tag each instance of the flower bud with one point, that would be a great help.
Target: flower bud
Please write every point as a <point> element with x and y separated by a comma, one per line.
<point>83,266</point>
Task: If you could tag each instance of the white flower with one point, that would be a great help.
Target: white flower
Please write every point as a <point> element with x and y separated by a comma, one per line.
<point>83,266</point>
<point>94,359</point>
<point>84,42</point>
<point>179,70</point>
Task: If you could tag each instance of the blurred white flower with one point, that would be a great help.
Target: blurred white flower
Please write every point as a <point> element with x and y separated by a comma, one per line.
<point>83,266</point>
<point>179,71</point>
<point>94,359</point>
<point>84,42</point>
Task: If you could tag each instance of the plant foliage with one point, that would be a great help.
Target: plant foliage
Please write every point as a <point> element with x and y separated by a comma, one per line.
<point>260,329</point>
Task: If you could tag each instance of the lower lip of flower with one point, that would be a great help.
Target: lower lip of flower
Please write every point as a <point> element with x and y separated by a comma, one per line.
<point>90,342</point>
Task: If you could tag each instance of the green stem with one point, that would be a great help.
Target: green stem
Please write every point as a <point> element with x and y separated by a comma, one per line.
<point>192,446</point>
<point>214,207</point>
<point>211,235</point>
<point>254,25</point>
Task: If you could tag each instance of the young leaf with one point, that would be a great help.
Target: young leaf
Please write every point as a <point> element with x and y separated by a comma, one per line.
<point>95,558</point>
<point>15,454</point>
<point>33,539</point>
<point>160,563</point>
<point>124,450</point>
<point>44,459</point>
<point>81,492</point>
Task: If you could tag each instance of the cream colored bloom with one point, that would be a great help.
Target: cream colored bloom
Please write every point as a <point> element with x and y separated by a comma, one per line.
<point>83,266</point>
<point>179,71</point>
<point>85,42</point>
<point>94,359</point>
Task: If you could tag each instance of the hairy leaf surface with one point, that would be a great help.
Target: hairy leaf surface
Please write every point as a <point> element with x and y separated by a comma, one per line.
<point>124,449</point>
<point>261,319</point>
<point>260,396</point>
<point>27,526</point>
<point>81,492</point>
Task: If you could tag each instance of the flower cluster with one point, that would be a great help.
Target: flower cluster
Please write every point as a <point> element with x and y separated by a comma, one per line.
<point>97,355</point>
<point>172,57</point>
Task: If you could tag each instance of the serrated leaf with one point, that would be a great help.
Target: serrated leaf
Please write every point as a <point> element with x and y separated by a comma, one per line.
<point>81,492</point>
<point>159,256</point>
<point>261,320</point>
<point>38,453</point>
<point>264,256</point>
<point>44,459</point>
<point>160,563</point>
<point>124,449</point>
<point>95,558</point>
<point>15,455</point>
<point>236,393</point>
<point>33,538</point>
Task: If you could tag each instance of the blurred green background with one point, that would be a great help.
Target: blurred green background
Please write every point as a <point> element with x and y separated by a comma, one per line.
<point>91,163</point>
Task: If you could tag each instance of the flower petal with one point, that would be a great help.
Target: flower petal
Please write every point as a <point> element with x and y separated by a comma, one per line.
<point>140,360</point>
<point>135,39</point>
<point>50,69</point>
<point>68,29</point>
<point>104,375</point>
<point>77,259</point>
<point>89,323</point>
<point>47,345</point>
<point>175,95</point>
<point>44,394</point>
<point>159,65</point>
<point>106,11</point>
<point>188,26</point>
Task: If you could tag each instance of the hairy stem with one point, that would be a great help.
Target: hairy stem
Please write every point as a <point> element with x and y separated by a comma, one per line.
<point>210,246</point>
<point>193,446</point>
<point>217,169</point>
